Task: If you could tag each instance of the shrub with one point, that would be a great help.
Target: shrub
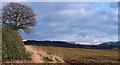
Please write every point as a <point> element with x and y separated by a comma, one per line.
<point>12,46</point>
<point>0,44</point>
<point>47,59</point>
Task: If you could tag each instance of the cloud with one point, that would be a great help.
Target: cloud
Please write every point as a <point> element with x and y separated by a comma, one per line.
<point>59,0</point>
<point>74,22</point>
<point>0,9</point>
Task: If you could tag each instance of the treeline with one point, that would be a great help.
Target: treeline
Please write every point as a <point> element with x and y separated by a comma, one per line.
<point>105,45</point>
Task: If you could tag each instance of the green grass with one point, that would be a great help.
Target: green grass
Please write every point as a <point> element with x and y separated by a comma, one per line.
<point>79,55</point>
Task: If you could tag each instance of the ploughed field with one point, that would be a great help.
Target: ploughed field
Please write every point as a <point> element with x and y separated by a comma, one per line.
<point>48,54</point>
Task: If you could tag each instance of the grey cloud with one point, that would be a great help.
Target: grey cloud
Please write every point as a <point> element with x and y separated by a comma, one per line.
<point>74,21</point>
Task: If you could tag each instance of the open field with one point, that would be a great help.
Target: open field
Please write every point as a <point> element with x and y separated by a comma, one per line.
<point>47,54</point>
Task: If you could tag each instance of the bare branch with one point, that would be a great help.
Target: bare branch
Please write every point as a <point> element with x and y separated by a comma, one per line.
<point>18,16</point>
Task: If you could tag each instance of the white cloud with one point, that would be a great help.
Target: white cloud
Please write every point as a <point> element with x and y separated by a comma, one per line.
<point>96,23</point>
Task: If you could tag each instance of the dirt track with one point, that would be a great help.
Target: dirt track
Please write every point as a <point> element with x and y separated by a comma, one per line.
<point>39,53</point>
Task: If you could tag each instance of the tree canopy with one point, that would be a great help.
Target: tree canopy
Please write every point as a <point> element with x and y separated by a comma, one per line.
<point>18,16</point>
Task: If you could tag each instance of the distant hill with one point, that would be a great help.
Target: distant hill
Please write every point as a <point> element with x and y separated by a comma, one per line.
<point>109,45</point>
<point>104,45</point>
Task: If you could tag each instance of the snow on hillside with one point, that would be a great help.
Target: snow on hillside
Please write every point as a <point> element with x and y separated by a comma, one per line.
<point>88,43</point>
<point>24,40</point>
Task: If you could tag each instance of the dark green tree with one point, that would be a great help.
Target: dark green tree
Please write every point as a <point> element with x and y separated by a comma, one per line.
<point>18,16</point>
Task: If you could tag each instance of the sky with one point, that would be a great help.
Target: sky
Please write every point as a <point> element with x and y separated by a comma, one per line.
<point>74,21</point>
<point>59,0</point>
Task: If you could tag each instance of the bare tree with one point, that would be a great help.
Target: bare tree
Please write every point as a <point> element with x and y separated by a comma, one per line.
<point>18,16</point>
